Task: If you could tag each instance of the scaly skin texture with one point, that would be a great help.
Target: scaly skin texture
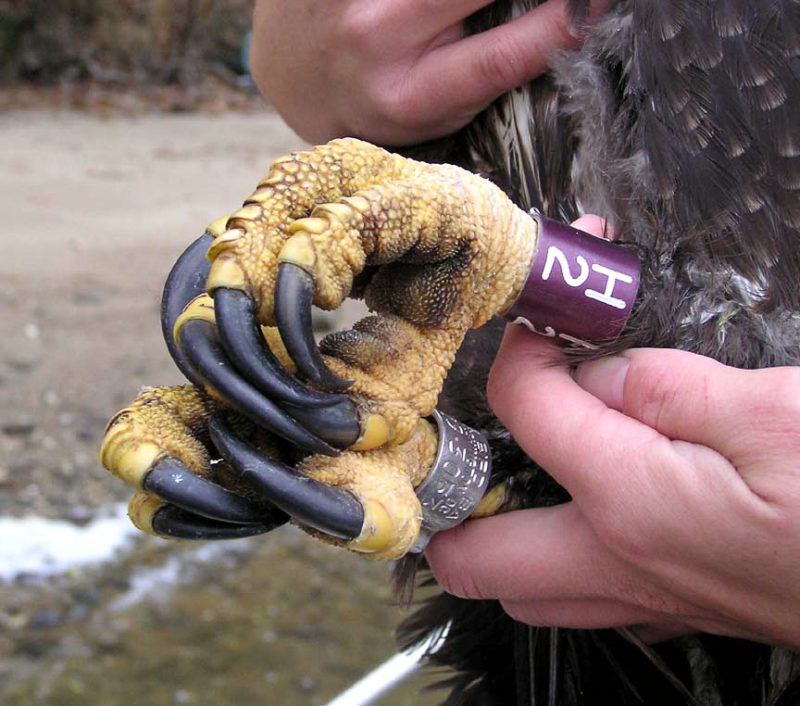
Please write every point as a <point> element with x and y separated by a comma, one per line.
<point>384,481</point>
<point>456,251</point>
<point>161,421</point>
<point>166,422</point>
<point>453,251</point>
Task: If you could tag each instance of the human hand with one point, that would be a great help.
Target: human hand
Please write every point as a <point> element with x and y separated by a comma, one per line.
<point>395,71</point>
<point>686,496</point>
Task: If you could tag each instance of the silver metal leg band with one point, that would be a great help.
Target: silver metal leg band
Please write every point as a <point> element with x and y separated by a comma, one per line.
<point>457,480</point>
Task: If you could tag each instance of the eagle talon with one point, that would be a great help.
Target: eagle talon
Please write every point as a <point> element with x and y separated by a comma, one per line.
<point>152,515</point>
<point>294,293</point>
<point>238,330</point>
<point>457,247</point>
<point>173,523</point>
<point>154,445</point>
<point>332,419</point>
<point>329,510</point>
<point>171,481</point>
<point>449,251</point>
<point>197,340</point>
<point>185,282</point>
<point>242,340</point>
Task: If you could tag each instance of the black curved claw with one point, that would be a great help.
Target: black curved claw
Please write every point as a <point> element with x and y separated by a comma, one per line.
<point>294,292</point>
<point>338,424</point>
<point>330,510</point>
<point>198,342</point>
<point>332,417</point>
<point>186,280</point>
<point>240,336</point>
<point>173,482</point>
<point>172,521</point>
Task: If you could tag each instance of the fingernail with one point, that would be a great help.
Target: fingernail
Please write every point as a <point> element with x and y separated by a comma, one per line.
<point>605,379</point>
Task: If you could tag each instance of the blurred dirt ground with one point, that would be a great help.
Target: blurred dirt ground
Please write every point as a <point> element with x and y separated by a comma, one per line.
<point>95,210</point>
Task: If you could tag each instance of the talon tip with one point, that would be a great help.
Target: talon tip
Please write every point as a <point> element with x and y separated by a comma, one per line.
<point>245,342</point>
<point>294,293</point>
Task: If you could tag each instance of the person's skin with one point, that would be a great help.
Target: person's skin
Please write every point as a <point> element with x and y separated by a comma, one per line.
<point>395,71</point>
<point>685,479</point>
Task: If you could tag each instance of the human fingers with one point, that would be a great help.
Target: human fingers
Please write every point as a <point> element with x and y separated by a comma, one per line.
<point>589,615</point>
<point>649,626</point>
<point>691,397</point>
<point>572,434</point>
<point>546,568</point>
<point>463,76</point>
<point>594,225</point>
<point>653,500</point>
<point>541,562</point>
<point>421,18</point>
<point>679,394</point>
<point>548,553</point>
<point>653,632</point>
<point>746,415</point>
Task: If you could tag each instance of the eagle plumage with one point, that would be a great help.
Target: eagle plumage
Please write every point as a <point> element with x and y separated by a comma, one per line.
<point>679,121</point>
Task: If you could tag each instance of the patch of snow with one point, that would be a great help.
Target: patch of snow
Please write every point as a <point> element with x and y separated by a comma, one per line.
<point>157,583</point>
<point>41,547</point>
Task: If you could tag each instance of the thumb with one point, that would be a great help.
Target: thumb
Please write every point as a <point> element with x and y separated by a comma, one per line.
<point>464,76</point>
<point>679,394</point>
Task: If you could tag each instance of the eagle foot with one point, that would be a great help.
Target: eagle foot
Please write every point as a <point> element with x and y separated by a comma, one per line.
<point>336,437</point>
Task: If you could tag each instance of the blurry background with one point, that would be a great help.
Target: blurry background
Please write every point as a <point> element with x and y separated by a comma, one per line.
<point>125,127</point>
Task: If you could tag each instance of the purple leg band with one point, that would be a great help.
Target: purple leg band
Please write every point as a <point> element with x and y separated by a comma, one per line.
<point>580,288</point>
